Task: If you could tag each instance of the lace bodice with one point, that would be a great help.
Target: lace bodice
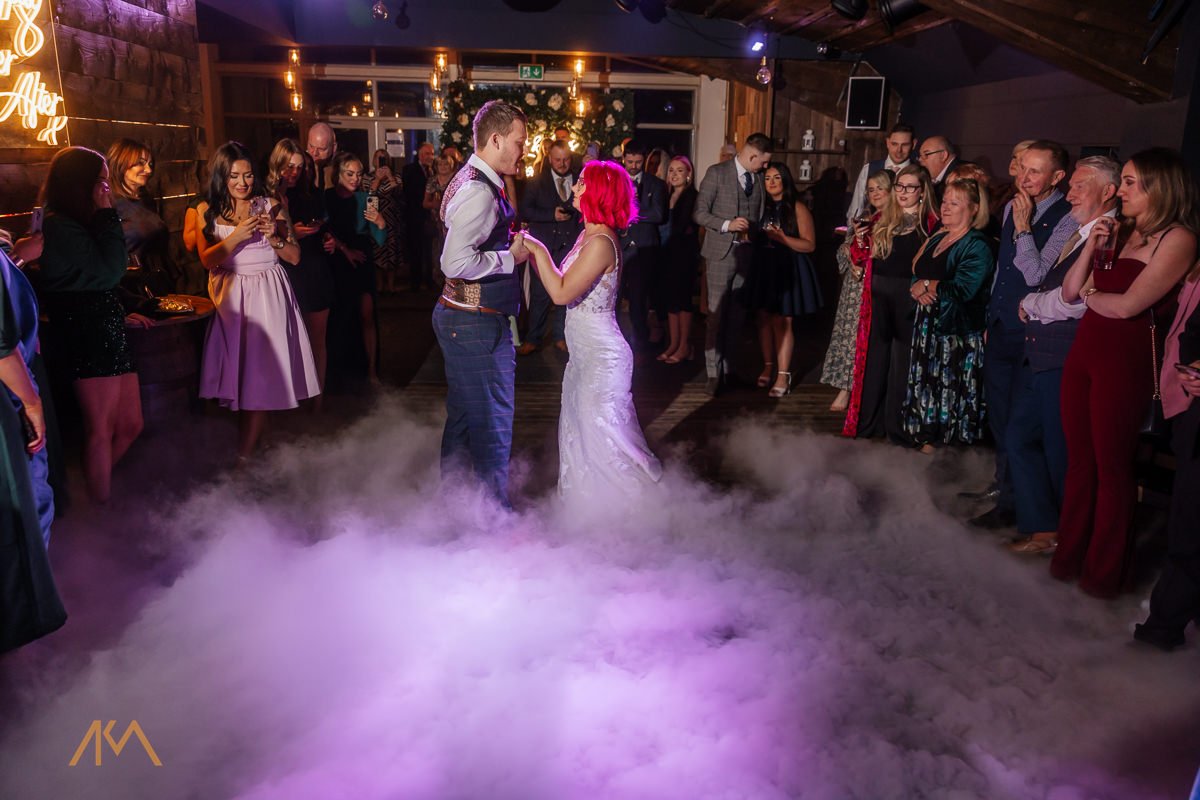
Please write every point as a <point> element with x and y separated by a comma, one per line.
<point>603,295</point>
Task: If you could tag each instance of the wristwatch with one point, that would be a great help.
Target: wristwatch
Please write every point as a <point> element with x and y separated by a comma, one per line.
<point>279,245</point>
<point>925,283</point>
<point>1021,234</point>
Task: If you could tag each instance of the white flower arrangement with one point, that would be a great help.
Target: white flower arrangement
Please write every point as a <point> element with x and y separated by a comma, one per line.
<point>456,136</point>
<point>609,121</point>
<point>618,106</point>
<point>555,102</point>
<point>530,99</point>
<point>464,120</point>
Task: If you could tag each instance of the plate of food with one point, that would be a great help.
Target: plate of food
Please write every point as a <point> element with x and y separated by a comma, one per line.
<point>173,304</point>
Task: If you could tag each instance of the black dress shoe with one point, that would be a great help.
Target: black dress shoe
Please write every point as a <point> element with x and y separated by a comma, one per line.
<point>991,493</point>
<point>994,519</point>
<point>1163,639</point>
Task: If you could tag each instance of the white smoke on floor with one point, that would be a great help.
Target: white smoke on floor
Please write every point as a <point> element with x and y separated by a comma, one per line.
<point>339,624</point>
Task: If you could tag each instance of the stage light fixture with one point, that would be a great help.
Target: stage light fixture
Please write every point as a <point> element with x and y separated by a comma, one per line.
<point>850,9</point>
<point>827,50</point>
<point>896,12</point>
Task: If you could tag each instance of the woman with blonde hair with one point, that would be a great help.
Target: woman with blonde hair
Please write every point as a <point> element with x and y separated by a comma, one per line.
<point>884,257</point>
<point>951,284</point>
<point>682,245</point>
<point>1109,375</point>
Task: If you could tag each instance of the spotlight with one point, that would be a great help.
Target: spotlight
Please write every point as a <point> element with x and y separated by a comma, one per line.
<point>850,9</point>
<point>757,40</point>
<point>896,12</point>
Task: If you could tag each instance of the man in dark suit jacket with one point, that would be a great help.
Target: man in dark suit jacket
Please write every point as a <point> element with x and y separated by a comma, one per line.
<point>547,207</point>
<point>730,203</point>
<point>642,243</point>
<point>938,155</point>
<point>418,245</point>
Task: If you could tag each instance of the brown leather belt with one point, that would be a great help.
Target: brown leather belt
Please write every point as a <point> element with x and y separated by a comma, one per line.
<point>473,309</point>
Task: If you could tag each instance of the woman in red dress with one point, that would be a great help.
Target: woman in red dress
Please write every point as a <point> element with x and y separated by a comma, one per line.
<point>1108,378</point>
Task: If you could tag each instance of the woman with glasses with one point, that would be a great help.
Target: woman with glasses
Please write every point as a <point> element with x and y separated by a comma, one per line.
<point>355,230</point>
<point>903,223</point>
<point>951,279</point>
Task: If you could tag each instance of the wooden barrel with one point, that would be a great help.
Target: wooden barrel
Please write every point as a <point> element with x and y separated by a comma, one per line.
<point>167,357</point>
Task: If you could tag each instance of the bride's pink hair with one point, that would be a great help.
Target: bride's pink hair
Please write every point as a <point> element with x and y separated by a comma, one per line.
<point>608,197</point>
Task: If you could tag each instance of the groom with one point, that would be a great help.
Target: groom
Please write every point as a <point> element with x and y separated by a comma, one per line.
<point>482,291</point>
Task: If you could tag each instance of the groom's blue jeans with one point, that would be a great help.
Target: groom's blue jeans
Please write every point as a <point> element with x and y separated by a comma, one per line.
<point>480,366</point>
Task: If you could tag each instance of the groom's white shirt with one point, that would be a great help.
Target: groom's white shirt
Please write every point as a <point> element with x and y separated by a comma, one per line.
<point>470,217</point>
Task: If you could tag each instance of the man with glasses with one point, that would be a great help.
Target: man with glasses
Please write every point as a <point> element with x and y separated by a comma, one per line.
<point>899,147</point>
<point>938,156</point>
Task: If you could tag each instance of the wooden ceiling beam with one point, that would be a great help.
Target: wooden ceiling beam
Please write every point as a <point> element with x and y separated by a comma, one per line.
<point>1059,32</point>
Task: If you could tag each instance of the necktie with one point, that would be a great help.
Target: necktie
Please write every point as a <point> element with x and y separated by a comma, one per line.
<point>1068,247</point>
<point>563,191</point>
<point>749,187</point>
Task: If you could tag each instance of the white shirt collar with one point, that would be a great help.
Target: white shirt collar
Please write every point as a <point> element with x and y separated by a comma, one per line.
<point>741,172</point>
<point>481,165</point>
<point>889,164</point>
<point>941,175</point>
<point>1086,229</point>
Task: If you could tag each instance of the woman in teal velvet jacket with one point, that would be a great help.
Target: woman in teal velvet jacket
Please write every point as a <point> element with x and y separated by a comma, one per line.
<point>951,283</point>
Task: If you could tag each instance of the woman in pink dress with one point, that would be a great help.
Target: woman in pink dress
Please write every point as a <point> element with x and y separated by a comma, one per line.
<point>257,356</point>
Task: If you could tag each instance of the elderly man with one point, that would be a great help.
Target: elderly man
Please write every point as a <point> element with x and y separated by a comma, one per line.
<point>1037,224</point>
<point>322,145</point>
<point>729,205</point>
<point>1036,446</point>
<point>939,157</point>
<point>899,144</point>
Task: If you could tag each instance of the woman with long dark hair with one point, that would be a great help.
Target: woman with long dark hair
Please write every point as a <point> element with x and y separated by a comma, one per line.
<point>1108,377</point>
<point>83,261</point>
<point>257,356</point>
<point>782,283</point>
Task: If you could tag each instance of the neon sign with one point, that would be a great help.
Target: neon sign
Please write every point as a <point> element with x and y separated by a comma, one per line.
<point>27,99</point>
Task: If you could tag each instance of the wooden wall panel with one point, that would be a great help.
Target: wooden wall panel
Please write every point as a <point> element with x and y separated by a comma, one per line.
<point>129,68</point>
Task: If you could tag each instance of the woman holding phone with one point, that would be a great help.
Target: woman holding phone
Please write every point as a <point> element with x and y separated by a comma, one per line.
<point>1108,377</point>
<point>83,260</point>
<point>356,228</point>
<point>257,356</point>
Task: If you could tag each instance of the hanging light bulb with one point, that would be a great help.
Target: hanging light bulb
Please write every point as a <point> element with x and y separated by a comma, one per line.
<point>294,57</point>
<point>437,104</point>
<point>580,107</point>
<point>435,81</point>
<point>289,79</point>
<point>763,75</point>
<point>367,98</point>
<point>579,68</point>
<point>440,62</point>
<point>354,111</point>
<point>573,88</point>
<point>379,11</point>
<point>297,101</point>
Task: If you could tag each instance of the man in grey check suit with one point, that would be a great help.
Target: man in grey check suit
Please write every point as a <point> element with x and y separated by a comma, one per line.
<point>730,203</point>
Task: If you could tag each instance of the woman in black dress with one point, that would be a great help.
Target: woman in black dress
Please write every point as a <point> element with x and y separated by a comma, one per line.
<point>290,180</point>
<point>356,228</point>
<point>783,283</point>
<point>683,261</point>
<point>83,261</point>
<point>147,237</point>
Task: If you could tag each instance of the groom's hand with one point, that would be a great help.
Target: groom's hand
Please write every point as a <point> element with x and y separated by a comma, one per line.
<point>520,252</point>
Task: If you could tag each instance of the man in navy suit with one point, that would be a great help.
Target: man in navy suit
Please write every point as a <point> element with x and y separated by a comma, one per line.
<point>547,207</point>
<point>643,246</point>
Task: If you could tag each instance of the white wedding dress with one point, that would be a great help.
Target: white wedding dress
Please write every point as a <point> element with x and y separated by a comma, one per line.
<point>601,448</point>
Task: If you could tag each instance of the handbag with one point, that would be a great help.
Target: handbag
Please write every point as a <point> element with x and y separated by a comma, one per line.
<point>1154,424</point>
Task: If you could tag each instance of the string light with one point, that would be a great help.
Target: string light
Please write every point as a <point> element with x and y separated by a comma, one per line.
<point>289,79</point>
<point>579,68</point>
<point>297,101</point>
<point>435,81</point>
<point>580,107</point>
<point>440,62</point>
<point>294,57</point>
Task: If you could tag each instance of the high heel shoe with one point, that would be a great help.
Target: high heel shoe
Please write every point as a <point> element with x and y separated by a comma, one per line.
<point>780,391</point>
<point>676,359</point>
<point>764,380</point>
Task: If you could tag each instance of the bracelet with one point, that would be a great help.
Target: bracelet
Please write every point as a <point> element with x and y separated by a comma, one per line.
<point>18,262</point>
<point>1090,292</point>
<point>278,245</point>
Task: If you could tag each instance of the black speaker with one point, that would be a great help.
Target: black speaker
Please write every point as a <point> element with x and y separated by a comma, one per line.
<point>865,99</point>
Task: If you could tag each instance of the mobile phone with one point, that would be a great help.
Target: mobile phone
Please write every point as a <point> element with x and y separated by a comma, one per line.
<point>1189,370</point>
<point>35,220</point>
<point>373,203</point>
<point>259,206</point>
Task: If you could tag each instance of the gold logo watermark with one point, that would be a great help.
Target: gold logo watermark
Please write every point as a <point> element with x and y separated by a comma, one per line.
<point>102,735</point>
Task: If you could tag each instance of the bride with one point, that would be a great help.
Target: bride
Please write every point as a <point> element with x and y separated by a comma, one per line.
<point>600,444</point>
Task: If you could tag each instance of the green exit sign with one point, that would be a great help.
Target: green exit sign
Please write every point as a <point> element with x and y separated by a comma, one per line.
<point>530,72</point>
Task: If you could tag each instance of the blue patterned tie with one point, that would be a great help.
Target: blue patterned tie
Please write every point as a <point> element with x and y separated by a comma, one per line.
<point>749,188</point>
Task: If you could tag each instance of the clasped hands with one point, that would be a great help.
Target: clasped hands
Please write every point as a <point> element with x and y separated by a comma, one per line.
<point>923,295</point>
